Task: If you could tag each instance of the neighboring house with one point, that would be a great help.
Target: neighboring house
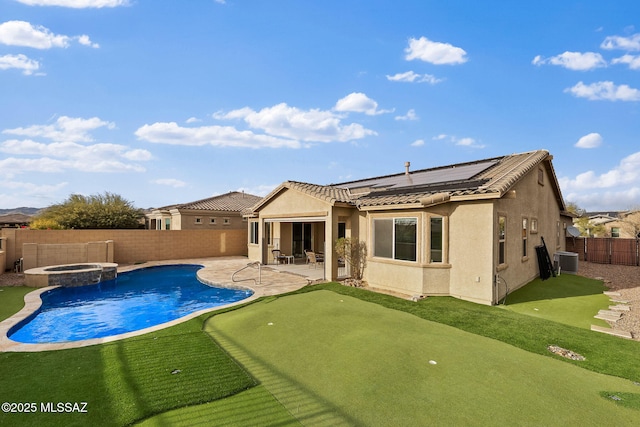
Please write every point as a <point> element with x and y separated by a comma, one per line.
<point>467,230</point>
<point>15,220</point>
<point>223,211</point>
<point>624,224</point>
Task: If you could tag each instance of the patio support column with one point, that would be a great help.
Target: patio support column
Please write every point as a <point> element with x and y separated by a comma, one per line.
<point>330,235</point>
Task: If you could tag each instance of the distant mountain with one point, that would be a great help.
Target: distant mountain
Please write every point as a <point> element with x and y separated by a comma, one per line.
<point>22,210</point>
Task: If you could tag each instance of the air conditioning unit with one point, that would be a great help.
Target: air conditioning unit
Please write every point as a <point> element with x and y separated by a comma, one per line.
<point>566,262</point>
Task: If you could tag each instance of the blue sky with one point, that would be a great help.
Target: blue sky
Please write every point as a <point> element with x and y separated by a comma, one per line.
<point>168,102</point>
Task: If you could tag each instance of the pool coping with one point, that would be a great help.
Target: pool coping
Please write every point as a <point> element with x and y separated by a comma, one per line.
<point>33,303</point>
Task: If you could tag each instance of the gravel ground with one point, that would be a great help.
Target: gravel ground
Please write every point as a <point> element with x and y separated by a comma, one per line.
<point>620,278</point>
<point>625,280</point>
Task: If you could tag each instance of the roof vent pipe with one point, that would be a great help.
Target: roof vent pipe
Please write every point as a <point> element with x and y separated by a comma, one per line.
<point>406,167</point>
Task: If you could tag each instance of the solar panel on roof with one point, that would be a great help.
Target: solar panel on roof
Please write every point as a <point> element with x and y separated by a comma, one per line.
<point>426,177</point>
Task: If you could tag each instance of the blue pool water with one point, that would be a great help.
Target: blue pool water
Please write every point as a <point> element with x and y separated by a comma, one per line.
<point>134,300</point>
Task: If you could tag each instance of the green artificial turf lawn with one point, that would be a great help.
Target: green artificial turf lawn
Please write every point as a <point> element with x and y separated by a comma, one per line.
<point>12,300</point>
<point>121,381</point>
<point>253,407</point>
<point>369,365</point>
<point>568,299</point>
<point>131,371</point>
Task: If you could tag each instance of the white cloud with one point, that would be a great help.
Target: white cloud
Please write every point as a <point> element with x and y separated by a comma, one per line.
<point>217,136</point>
<point>22,33</point>
<point>411,115</point>
<point>434,52</point>
<point>632,60</point>
<point>359,103</point>
<point>20,62</point>
<point>272,127</point>
<point>627,172</point>
<point>85,41</point>
<point>77,4</point>
<point>467,142</point>
<point>192,120</point>
<point>605,200</point>
<point>68,151</point>
<point>169,182</point>
<point>417,143</point>
<point>592,140</point>
<point>259,190</point>
<point>29,194</point>
<point>631,43</point>
<point>573,60</point>
<point>136,155</point>
<point>463,142</point>
<point>604,91</point>
<point>29,188</point>
<point>411,77</point>
<point>64,129</point>
<point>60,156</point>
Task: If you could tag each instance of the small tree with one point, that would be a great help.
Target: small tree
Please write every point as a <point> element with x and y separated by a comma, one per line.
<point>631,222</point>
<point>354,252</point>
<point>45,224</point>
<point>99,211</point>
<point>587,229</point>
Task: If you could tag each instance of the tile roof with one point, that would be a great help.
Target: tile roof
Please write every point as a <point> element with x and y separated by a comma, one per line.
<point>234,201</point>
<point>480,179</point>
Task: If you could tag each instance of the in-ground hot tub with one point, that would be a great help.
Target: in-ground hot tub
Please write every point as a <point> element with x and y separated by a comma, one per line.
<point>71,274</point>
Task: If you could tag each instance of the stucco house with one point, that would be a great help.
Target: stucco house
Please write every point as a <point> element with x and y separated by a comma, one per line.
<point>467,230</point>
<point>222,211</point>
<point>616,224</point>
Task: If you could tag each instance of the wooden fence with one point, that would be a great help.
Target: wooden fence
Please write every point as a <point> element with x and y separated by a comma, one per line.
<point>605,250</point>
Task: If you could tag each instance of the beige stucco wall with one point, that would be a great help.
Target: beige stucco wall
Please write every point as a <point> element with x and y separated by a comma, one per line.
<point>472,245</point>
<point>628,227</point>
<point>290,205</point>
<point>534,202</point>
<point>469,267</point>
<point>41,255</point>
<point>471,251</point>
<point>137,245</point>
<point>186,220</point>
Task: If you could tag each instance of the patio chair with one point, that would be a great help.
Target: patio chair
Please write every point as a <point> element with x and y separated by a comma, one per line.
<point>313,258</point>
<point>278,256</point>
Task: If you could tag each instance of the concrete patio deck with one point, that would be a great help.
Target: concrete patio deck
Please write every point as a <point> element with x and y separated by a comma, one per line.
<point>274,280</point>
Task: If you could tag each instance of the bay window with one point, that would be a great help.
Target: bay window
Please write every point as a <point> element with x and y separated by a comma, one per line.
<point>395,238</point>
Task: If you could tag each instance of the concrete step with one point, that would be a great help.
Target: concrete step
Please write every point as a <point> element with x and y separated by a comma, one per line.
<point>620,307</point>
<point>619,301</point>
<point>604,330</point>
<point>611,293</point>
<point>608,315</point>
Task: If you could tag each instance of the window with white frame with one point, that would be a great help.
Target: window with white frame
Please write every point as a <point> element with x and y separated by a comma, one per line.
<point>395,238</point>
<point>436,238</point>
<point>253,232</point>
<point>525,232</point>
<point>198,220</point>
<point>226,221</point>
<point>502,239</point>
<point>268,232</point>
<point>212,221</point>
<point>167,223</point>
<point>615,231</point>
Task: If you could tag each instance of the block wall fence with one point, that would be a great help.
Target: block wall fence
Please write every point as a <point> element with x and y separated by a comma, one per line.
<point>131,246</point>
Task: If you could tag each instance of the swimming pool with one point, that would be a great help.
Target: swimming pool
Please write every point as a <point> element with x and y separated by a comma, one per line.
<point>133,301</point>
